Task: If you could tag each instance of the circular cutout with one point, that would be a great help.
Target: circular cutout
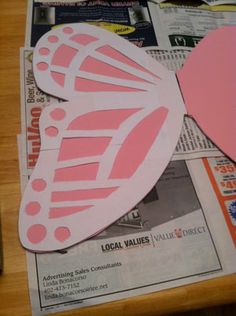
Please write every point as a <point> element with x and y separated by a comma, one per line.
<point>38,185</point>
<point>62,233</point>
<point>42,66</point>
<point>68,30</point>
<point>33,208</point>
<point>44,51</point>
<point>51,131</point>
<point>36,233</point>
<point>53,39</point>
<point>58,114</point>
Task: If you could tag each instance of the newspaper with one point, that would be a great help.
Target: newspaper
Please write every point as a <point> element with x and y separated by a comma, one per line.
<point>209,2</point>
<point>218,2</point>
<point>180,26</point>
<point>178,234</point>
<point>173,237</point>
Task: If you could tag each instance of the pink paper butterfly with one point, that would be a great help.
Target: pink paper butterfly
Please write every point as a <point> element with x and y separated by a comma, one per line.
<point>104,150</point>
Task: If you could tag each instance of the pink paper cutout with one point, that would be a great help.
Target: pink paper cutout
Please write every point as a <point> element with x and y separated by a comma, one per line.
<point>208,85</point>
<point>83,39</point>
<point>57,212</point>
<point>38,185</point>
<point>36,233</point>
<point>68,30</point>
<point>32,208</point>
<point>115,54</point>
<point>78,195</point>
<point>137,143</point>
<point>51,131</point>
<point>88,85</point>
<point>58,114</point>
<point>52,39</point>
<point>98,67</point>
<point>42,66</point>
<point>58,78</point>
<point>62,233</point>
<point>108,119</point>
<point>77,173</point>
<point>83,178</point>
<point>63,56</point>
<point>44,51</point>
<point>73,148</point>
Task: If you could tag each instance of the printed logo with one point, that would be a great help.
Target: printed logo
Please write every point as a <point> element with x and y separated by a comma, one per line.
<point>232,211</point>
<point>126,244</point>
<point>180,233</point>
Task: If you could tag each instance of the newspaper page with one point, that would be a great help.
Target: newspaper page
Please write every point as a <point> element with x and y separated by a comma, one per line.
<point>182,26</point>
<point>209,2</point>
<point>218,2</point>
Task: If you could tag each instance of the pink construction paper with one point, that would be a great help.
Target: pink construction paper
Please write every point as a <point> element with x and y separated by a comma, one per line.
<point>208,84</point>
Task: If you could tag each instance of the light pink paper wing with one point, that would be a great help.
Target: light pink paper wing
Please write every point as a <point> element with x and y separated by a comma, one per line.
<point>208,84</point>
<point>98,159</point>
<point>80,58</point>
<point>105,149</point>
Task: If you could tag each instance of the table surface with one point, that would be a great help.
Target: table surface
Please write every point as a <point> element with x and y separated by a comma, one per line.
<point>14,295</point>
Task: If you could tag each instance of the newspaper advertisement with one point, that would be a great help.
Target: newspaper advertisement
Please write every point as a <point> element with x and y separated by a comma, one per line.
<point>129,19</point>
<point>178,234</point>
<point>218,2</point>
<point>217,177</point>
<point>165,241</point>
<point>181,26</point>
<point>33,101</point>
<point>222,174</point>
<point>209,2</point>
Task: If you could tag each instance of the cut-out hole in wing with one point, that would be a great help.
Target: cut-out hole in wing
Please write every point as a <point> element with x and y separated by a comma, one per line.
<point>115,54</point>
<point>74,148</point>
<point>96,66</point>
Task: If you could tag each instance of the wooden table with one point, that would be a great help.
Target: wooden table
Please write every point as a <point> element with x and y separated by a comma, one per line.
<point>14,297</point>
